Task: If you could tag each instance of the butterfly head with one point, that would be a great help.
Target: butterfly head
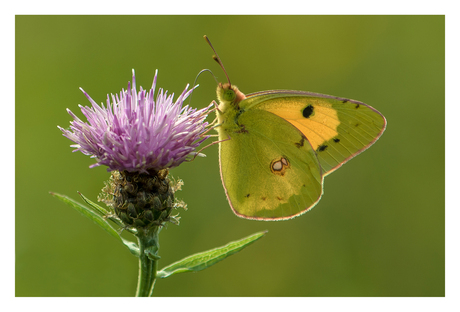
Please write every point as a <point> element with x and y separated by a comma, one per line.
<point>229,94</point>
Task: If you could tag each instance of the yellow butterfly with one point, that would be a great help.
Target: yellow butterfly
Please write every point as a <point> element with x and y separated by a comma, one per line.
<point>276,147</point>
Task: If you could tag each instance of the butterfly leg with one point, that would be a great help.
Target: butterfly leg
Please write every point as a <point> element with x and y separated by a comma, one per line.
<point>216,105</point>
<point>211,144</point>
<point>212,126</point>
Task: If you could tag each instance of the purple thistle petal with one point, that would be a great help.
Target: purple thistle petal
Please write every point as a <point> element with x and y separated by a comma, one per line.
<point>136,132</point>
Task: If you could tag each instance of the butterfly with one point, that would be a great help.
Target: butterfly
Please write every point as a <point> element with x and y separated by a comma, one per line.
<point>276,147</point>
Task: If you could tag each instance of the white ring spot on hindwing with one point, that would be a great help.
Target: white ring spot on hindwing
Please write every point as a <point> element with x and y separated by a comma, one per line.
<point>279,165</point>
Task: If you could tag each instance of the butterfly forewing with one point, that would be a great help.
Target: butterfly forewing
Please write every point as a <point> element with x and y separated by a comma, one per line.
<point>337,128</point>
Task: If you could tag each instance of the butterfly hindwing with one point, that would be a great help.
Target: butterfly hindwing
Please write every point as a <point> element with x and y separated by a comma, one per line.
<point>268,168</point>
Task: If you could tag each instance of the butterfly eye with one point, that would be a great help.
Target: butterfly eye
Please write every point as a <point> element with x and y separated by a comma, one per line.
<point>229,95</point>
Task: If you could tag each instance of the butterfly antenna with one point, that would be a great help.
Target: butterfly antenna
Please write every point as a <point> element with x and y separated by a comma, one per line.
<point>205,70</point>
<point>196,79</point>
<point>217,58</point>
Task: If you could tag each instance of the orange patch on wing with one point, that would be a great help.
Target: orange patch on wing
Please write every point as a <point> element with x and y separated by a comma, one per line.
<point>320,127</point>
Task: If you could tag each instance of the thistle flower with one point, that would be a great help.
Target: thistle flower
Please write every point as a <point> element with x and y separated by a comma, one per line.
<point>137,133</point>
<point>139,138</point>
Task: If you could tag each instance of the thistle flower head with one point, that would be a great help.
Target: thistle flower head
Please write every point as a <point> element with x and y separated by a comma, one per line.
<point>138,133</point>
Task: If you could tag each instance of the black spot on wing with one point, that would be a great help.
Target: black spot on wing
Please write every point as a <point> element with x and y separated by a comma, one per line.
<point>307,111</point>
<point>301,143</point>
<point>242,129</point>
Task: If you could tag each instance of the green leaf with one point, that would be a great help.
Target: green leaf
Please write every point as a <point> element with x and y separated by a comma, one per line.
<point>203,260</point>
<point>87,212</point>
<point>100,209</point>
<point>132,247</point>
<point>152,253</point>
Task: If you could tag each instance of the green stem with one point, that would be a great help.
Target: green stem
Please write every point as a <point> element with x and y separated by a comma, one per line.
<point>148,260</point>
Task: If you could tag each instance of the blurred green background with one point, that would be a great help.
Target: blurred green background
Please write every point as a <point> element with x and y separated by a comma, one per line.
<point>379,228</point>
